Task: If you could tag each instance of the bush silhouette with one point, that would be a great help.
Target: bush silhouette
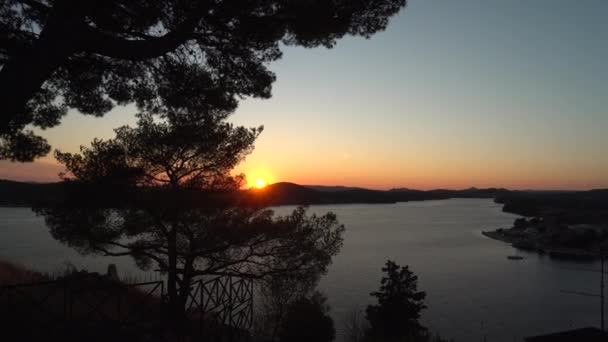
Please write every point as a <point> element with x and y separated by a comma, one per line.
<point>308,320</point>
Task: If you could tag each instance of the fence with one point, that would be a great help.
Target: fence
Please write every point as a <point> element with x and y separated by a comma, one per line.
<point>95,309</point>
<point>85,308</point>
<point>223,306</point>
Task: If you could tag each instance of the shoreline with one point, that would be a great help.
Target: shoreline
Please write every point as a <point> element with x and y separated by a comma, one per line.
<point>554,252</point>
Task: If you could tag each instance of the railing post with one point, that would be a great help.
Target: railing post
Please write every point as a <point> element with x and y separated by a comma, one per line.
<point>201,309</point>
<point>161,306</point>
<point>250,324</point>
<point>67,304</point>
<point>602,289</point>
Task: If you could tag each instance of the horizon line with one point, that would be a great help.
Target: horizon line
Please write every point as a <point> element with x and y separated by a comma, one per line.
<point>366,188</point>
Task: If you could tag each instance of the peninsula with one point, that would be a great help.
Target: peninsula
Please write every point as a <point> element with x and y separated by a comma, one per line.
<point>566,224</point>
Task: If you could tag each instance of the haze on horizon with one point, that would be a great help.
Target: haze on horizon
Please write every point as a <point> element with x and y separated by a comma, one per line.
<point>484,93</point>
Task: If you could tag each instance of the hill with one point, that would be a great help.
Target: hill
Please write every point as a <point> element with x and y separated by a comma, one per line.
<point>20,194</point>
<point>29,194</point>
<point>284,193</point>
<point>333,188</point>
<point>567,206</point>
<point>293,194</point>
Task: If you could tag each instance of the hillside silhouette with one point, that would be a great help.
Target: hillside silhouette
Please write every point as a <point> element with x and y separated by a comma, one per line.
<point>566,206</point>
<point>22,194</point>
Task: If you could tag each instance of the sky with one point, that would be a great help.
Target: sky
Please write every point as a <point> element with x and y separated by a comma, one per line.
<point>454,94</point>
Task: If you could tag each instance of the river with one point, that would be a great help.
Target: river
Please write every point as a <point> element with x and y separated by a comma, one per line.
<point>474,293</point>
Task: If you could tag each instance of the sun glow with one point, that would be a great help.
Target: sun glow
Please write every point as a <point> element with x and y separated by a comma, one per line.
<point>259,178</point>
<point>260,183</point>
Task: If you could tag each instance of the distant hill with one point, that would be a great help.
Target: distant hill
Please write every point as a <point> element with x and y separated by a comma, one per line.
<point>401,189</point>
<point>335,188</point>
<point>284,193</point>
<point>293,194</point>
<point>568,206</point>
<point>21,194</point>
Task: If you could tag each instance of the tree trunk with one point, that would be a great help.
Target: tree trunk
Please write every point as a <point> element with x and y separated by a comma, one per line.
<point>184,288</point>
<point>176,314</point>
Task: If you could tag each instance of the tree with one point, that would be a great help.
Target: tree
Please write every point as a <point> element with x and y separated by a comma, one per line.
<point>93,55</point>
<point>176,177</point>
<point>399,305</point>
<point>277,294</point>
<point>355,326</point>
<point>308,319</point>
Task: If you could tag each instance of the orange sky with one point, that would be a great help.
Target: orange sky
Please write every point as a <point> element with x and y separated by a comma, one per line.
<point>375,156</point>
<point>421,167</point>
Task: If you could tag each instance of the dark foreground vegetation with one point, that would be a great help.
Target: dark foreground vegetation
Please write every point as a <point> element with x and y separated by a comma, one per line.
<point>76,305</point>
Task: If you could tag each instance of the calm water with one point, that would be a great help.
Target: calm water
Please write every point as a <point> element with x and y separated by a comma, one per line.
<point>473,291</point>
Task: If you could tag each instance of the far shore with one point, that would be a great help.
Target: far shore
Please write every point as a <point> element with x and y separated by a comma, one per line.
<point>555,252</point>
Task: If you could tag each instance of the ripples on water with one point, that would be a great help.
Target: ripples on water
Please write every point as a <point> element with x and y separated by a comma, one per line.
<point>473,291</point>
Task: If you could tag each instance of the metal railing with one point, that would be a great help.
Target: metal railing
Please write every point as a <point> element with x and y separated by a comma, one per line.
<point>93,308</point>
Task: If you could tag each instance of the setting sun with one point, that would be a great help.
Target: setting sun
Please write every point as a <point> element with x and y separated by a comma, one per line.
<point>260,183</point>
<point>259,178</point>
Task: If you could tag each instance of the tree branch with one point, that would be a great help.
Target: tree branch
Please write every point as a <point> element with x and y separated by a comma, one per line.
<point>107,44</point>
